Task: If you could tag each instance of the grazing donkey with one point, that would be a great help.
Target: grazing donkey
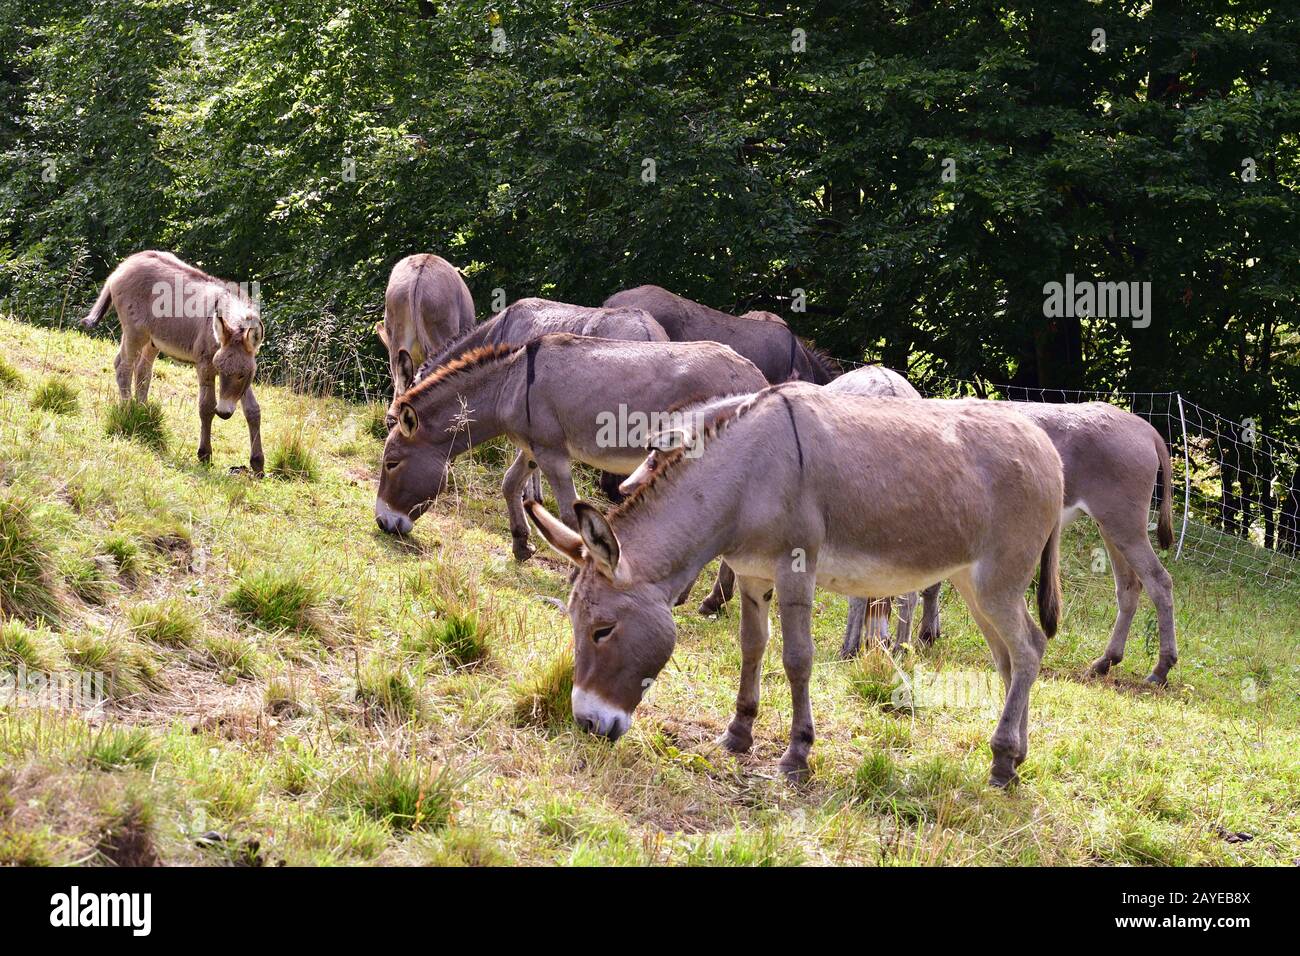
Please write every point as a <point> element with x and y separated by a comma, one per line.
<point>169,306</point>
<point>426,305</point>
<point>1111,459</point>
<point>558,398</point>
<point>968,492</point>
<point>779,354</point>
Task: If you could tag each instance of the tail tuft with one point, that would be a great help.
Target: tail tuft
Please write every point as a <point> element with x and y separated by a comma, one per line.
<point>1165,520</point>
<point>1049,583</point>
<point>97,310</point>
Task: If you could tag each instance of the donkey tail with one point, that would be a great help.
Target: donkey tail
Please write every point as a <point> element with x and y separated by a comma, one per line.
<point>1165,521</point>
<point>98,309</point>
<point>1049,583</point>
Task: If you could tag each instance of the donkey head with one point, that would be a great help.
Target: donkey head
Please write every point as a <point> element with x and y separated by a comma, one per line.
<point>237,327</point>
<point>414,470</point>
<point>623,630</point>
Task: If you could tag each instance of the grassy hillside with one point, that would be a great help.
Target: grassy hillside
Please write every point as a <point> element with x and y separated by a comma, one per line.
<point>287,684</point>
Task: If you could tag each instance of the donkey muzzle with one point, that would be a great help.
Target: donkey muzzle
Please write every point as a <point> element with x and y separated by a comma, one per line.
<point>225,414</point>
<point>390,521</point>
<point>597,716</point>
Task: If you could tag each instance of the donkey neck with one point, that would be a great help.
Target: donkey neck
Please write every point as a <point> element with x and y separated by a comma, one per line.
<point>480,392</point>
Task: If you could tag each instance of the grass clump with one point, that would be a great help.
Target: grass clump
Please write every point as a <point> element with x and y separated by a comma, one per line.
<point>138,421</point>
<point>87,579</point>
<point>276,601</point>
<point>170,622</point>
<point>56,396</point>
<point>402,793</point>
<point>127,556</point>
<point>122,748</point>
<point>392,689</point>
<point>128,668</point>
<point>293,459</point>
<point>9,376</point>
<point>458,638</point>
<point>27,589</point>
<point>546,700</point>
<point>874,677</point>
<point>234,656</point>
<point>22,646</point>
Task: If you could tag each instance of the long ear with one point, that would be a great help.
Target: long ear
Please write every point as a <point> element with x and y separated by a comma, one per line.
<point>407,420</point>
<point>253,338</point>
<point>382,333</point>
<point>557,534</point>
<point>598,537</point>
<point>219,330</point>
<point>405,368</point>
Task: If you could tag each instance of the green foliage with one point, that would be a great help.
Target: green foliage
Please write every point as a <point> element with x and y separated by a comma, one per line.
<point>458,638</point>
<point>545,700</point>
<point>56,396</point>
<point>126,554</point>
<point>276,600</point>
<point>138,421</point>
<point>22,646</point>
<point>27,589</point>
<point>119,748</point>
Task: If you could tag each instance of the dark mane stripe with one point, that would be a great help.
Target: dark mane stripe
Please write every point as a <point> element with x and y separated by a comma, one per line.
<point>471,360</point>
<point>531,349</point>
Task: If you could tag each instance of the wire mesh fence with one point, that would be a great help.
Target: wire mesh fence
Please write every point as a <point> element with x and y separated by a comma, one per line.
<point>1236,489</point>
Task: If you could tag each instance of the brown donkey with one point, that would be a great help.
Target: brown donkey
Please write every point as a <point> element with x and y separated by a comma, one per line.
<point>426,305</point>
<point>779,354</point>
<point>1111,460</point>
<point>967,492</point>
<point>559,398</point>
<point>169,306</point>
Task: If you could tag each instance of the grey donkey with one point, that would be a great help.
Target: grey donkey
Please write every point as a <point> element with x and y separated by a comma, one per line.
<point>982,497</point>
<point>426,305</point>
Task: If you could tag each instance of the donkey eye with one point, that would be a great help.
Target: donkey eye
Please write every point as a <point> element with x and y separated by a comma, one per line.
<point>390,465</point>
<point>600,633</point>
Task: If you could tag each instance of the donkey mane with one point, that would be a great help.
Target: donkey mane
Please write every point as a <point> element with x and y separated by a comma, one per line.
<point>447,355</point>
<point>462,364</point>
<point>821,360</point>
<point>670,462</point>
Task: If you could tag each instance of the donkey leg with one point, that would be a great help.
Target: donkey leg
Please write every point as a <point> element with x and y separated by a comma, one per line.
<point>795,591</point>
<point>559,473</point>
<point>1128,591</point>
<point>755,600</point>
<point>207,408</point>
<point>723,587</point>
<point>876,625</point>
<point>906,604</point>
<point>253,415</point>
<point>853,628</point>
<point>512,488</point>
<point>930,615</point>
<point>144,370</point>
<point>128,352</point>
<point>1160,586</point>
<point>1023,643</point>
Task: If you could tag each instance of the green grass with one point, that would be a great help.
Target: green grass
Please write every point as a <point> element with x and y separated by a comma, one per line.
<point>56,396</point>
<point>170,622</point>
<point>276,600</point>
<point>28,589</point>
<point>278,670</point>
<point>292,458</point>
<point>138,421</point>
<point>10,377</point>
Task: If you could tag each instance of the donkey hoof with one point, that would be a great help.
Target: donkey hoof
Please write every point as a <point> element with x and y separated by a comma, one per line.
<point>1157,680</point>
<point>708,608</point>
<point>1100,667</point>
<point>735,743</point>
<point>794,769</point>
<point>926,637</point>
<point>523,550</point>
<point>1003,778</point>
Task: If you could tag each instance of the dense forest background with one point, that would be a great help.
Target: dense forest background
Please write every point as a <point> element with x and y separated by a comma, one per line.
<point>309,145</point>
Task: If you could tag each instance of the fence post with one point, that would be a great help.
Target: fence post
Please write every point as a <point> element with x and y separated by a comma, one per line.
<point>1187,478</point>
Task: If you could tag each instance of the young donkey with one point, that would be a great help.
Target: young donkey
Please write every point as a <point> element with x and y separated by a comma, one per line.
<point>560,397</point>
<point>984,497</point>
<point>169,306</point>
<point>426,305</point>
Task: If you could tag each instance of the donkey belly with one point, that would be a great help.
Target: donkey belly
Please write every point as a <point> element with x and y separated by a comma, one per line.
<point>867,575</point>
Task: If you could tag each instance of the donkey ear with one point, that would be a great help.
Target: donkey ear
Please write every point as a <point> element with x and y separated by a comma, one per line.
<point>407,420</point>
<point>405,368</point>
<point>598,537</point>
<point>219,330</point>
<point>253,338</point>
<point>641,476</point>
<point>557,534</point>
<point>673,438</point>
<point>382,333</point>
